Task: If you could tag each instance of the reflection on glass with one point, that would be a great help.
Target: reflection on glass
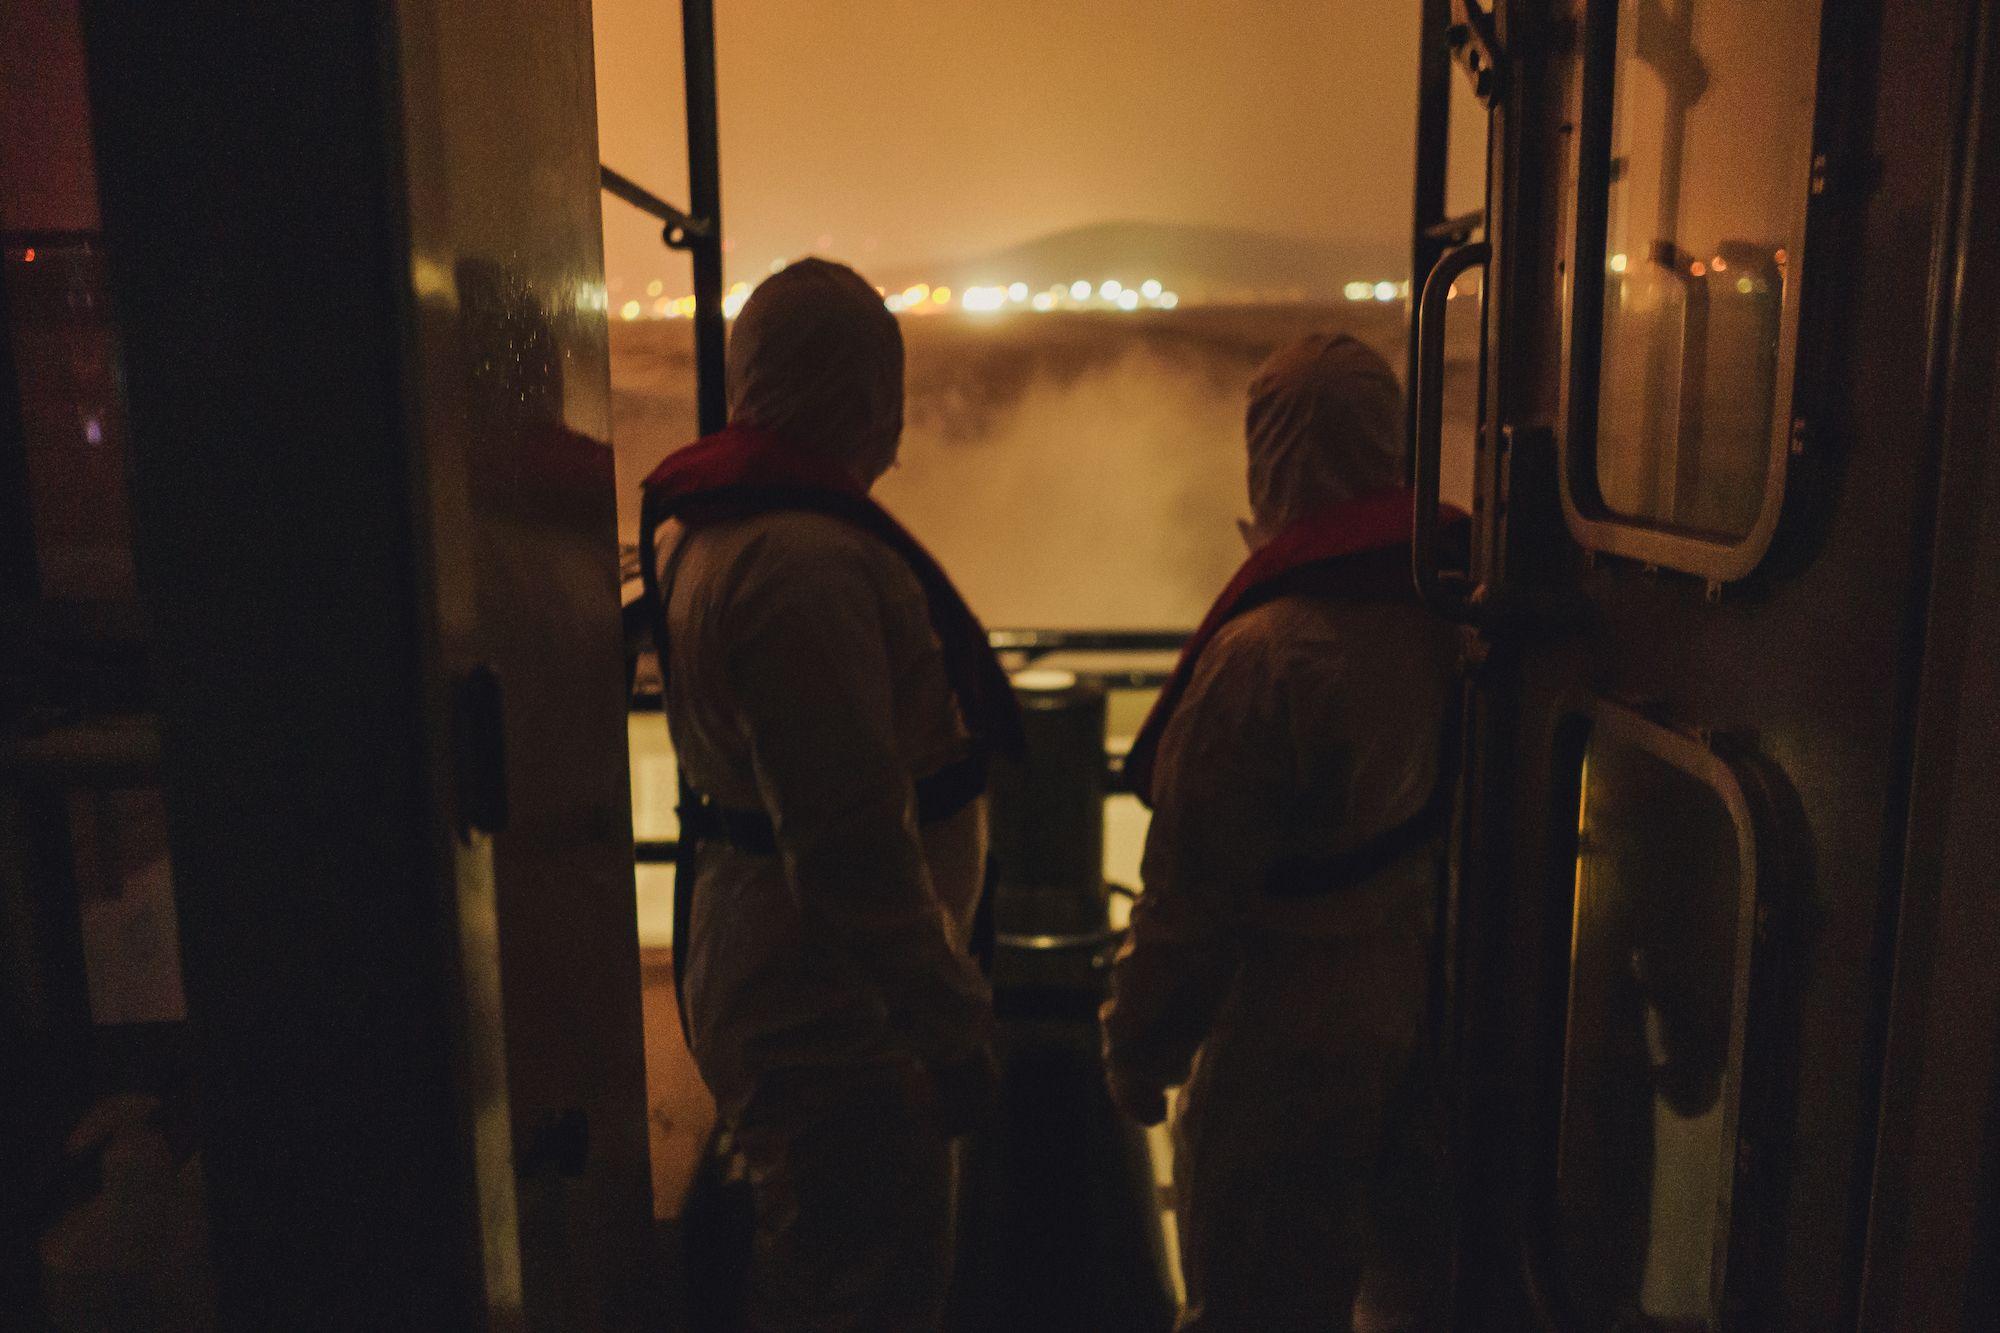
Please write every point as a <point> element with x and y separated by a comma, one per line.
<point>1710,163</point>
<point>1645,1159</point>
<point>72,419</point>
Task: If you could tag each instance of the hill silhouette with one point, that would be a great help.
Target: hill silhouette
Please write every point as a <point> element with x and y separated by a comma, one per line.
<point>1210,264</point>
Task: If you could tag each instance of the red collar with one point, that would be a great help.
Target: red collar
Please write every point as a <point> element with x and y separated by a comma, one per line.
<point>744,456</point>
<point>1375,522</point>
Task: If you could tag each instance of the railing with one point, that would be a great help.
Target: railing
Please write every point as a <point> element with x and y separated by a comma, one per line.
<point>1018,649</point>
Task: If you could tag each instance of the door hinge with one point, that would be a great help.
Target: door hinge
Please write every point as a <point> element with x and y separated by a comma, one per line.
<point>479,752</point>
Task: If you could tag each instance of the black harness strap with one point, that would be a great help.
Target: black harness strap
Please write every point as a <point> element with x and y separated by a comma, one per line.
<point>939,796</point>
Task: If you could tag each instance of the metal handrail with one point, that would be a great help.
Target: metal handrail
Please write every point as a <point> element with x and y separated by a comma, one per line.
<point>1034,645</point>
<point>679,226</point>
<point>1026,647</point>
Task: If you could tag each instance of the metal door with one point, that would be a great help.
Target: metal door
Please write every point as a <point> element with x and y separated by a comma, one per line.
<point>1733,261</point>
<point>355,260</point>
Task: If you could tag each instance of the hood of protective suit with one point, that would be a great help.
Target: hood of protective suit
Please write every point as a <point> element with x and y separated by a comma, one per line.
<point>1324,426</point>
<point>816,359</point>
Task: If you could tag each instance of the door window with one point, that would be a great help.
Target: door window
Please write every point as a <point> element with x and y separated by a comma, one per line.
<point>1659,965</point>
<point>1694,191</point>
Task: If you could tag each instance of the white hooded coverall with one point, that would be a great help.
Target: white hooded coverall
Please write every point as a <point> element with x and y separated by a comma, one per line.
<point>1310,724</point>
<point>825,985</point>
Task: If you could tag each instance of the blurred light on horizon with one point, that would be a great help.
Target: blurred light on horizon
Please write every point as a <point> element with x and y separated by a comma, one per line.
<point>1385,291</point>
<point>924,299</point>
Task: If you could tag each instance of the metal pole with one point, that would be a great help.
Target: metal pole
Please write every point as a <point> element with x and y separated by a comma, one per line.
<point>705,205</point>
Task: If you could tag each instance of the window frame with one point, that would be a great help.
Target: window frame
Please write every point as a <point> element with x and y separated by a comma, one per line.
<point>1748,1164</point>
<point>1795,433</point>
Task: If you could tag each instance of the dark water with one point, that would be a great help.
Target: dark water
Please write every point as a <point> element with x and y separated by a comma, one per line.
<point>1069,469</point>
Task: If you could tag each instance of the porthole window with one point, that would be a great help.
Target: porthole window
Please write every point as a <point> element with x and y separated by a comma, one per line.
<point>1659,987</point>
<point>1694,177</point>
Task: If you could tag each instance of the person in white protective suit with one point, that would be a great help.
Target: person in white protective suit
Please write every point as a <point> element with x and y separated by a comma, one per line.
<point>1277,964</point>
<point>816,675</point>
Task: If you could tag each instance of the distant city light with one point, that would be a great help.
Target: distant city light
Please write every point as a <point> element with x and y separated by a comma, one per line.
<point>1358,291</point>
<point>1079,290</point>
<point>1169,300</point>
<point>1109,289</point>
<point>1385,291</point>
<point>655,287</point>
<point>895,303</point>
<point>1128,300</point>
<point>733,303</point>
<point>630,310</point>
<point>1718,264</point>
<point>1618,263</point>
<point>981,300</point>
<point>777,265</point>
<point>942,296</point>
<point>28,255</point>
<point>1151,287</point>
<point>1017,292</point>
<point>1745,286</point>
<point>916,294</point>
<point>1044,301</point>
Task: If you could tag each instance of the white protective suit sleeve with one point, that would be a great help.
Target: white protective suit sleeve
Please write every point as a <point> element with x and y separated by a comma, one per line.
<point>1226,762</point>
<point>808,665</point>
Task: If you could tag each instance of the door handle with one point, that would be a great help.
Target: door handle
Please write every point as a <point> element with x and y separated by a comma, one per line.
<point>1426,445</point>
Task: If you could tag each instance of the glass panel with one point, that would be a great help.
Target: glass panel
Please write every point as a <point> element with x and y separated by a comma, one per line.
<point>72,419</point>
<point>1711,158</point>
<point>1091,221</point>
<point>1645,1162</point>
